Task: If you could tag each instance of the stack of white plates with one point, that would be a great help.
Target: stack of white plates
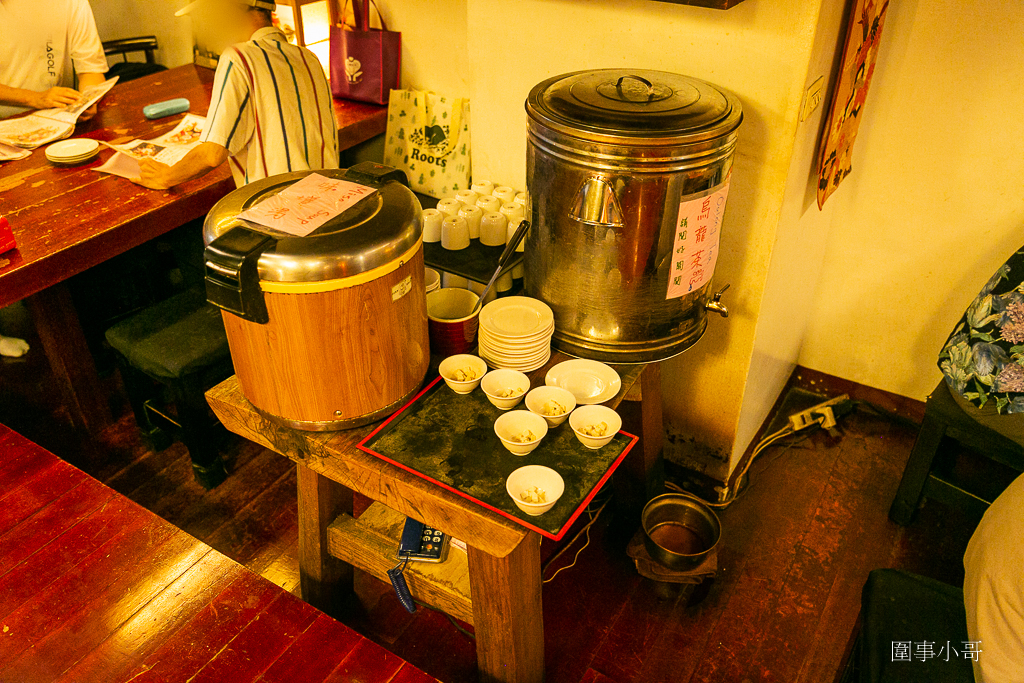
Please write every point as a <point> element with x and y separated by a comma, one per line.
<point>515,333</point>
<point>74,151</point>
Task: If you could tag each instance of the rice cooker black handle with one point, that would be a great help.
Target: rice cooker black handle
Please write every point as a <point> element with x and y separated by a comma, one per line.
<point>371,173</point>
<point>232,277</point>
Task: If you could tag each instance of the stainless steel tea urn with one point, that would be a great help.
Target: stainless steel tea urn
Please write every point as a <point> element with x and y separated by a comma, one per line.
<point>628,172</point>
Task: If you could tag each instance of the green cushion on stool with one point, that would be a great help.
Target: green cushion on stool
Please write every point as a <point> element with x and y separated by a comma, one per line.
<point>173,338</point>
<point>898,606</point>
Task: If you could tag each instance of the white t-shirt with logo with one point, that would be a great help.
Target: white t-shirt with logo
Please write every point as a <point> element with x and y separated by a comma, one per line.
<point>44,42</point>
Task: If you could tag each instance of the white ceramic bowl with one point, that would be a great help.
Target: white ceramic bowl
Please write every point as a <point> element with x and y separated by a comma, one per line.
<point>496,381</point>
<point>543,478</point>
<point>536,399</point>
<point>460,361</point>
<point>516,422</point>
<point>585,416</point>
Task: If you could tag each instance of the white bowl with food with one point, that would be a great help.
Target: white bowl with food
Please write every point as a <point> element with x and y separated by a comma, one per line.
<point>552,403</point>
<point>595,426</point>
<point>505,388</point>
<point>535,488</point>
<point>520,431</point>
<point>463,372</point>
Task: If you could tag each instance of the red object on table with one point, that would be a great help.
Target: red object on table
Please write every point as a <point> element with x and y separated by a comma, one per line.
<point>6,236</point>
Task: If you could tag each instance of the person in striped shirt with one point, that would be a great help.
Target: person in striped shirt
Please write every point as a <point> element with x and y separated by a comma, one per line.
<point>270,110</point>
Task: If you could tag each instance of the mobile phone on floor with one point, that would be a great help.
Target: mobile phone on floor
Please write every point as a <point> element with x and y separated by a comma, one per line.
<point>421,543</point>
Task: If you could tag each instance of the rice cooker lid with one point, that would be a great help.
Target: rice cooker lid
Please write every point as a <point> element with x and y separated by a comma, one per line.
<point>634,103</point>
<point>374,232</point>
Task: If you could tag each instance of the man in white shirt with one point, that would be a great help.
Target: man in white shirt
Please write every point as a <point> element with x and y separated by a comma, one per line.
<point>994,589</point>
<point>270,111</point>
<point>43,45</point>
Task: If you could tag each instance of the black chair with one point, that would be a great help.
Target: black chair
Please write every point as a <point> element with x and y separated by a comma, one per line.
<point>900,612</point>
<point>126,70</point>
<point>926,476</point>
<point>180,344</point>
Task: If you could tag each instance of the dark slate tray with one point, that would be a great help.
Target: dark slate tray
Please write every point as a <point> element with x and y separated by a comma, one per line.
<point>449,439</point>
<point>476,262</point>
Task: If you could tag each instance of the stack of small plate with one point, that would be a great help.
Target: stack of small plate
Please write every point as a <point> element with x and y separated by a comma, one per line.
<point>515,333</point>
<point>71,152</point>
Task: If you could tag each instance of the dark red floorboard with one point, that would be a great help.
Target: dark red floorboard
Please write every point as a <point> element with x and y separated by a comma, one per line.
<point>148,628</point>
<point>313,655</point>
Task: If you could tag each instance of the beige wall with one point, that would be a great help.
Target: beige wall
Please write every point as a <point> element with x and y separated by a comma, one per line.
<point>129,18</point>
<point>798,254</point>
<point>934,203</point>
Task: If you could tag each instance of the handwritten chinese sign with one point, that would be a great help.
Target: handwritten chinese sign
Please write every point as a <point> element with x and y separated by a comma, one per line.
<point>305,206</point>
<point>695,248</point>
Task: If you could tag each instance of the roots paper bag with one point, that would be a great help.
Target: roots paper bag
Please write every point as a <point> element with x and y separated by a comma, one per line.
<point>428,138</point>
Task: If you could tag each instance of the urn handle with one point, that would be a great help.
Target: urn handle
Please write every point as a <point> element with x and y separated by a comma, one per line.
<point>232,276</point>
<point>650,86</point>
<point>596,204</point>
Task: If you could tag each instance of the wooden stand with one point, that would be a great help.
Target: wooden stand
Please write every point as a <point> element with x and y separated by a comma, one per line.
<point>496,587</point>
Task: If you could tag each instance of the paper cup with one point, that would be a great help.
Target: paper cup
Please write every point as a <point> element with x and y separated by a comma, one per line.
<point>467,197</point>
<point>432,220</point>
<point>454,233</point>
<point>482,187</point>
<point>504,193</point>
<point>472,214</point>
<point>489,204</point>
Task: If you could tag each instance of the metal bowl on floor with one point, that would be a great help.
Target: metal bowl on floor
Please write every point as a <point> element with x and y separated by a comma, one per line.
<point>679,531</point>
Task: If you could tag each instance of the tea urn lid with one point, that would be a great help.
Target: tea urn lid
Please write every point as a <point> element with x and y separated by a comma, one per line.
<point>609,104</point>
<point>374,232</point>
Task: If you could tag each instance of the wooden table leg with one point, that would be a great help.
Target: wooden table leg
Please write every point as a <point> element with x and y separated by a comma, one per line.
<point>652,436</point>
<point>641,475</point>
<point>507,613</point>
<point>325,581</point>
<point>73,367</point>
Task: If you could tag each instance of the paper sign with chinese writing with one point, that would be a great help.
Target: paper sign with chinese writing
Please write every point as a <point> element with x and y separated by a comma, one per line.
<point>695,248</point>
<point>305,206</point>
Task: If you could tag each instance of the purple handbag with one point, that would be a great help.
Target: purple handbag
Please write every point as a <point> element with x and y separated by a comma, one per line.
<point>365,62</point>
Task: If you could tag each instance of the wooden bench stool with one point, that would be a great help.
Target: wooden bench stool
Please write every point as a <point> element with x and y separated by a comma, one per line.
<point>923,478</point>
<point>179,343</point>
<point>900,613</point>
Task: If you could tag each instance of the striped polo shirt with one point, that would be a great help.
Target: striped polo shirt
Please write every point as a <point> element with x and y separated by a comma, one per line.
<point>271,108</point>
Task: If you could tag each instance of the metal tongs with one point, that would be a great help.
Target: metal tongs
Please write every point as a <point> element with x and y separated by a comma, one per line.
<point>506,256</point>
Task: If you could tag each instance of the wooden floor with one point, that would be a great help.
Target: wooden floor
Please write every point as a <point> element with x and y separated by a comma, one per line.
<point>797,547</point>
<point>94,588</point>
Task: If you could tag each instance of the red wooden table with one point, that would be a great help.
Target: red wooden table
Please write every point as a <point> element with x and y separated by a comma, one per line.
<point>67,220</point>
<point>96,588</point>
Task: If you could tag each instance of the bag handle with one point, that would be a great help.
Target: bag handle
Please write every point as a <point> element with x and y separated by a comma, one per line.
<point>454,130</point>
<point>361,13</point>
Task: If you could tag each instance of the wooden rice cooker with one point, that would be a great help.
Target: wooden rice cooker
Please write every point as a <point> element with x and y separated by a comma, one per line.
<point>327,331</point>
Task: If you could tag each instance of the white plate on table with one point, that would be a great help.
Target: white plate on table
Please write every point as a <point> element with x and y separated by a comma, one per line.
<point>516,348</point>
<point>521,366</point>
<point>517,343</point>
<point>516,318</point>
<point>72,151</point>
<point>588,380</point>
